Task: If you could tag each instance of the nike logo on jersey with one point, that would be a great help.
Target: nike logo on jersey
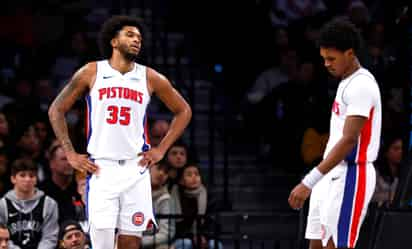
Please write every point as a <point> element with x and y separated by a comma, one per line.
<point>13,214</point>
<point>143,171</point>
<point>108,77</point>
<point>335,178</point>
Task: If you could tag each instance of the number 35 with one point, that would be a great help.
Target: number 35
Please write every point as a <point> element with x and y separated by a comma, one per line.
<point>118,115</point>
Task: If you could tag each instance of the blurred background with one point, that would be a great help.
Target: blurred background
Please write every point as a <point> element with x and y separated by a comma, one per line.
<point>251,72</point>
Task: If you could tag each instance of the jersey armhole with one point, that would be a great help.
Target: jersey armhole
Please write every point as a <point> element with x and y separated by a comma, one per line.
<point>148,85</point>
<point>95,77</point>
<point>350,81</point>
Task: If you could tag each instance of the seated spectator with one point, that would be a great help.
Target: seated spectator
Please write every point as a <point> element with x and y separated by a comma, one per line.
<point>191,199</point>
<point>30,215</point>
<point>158,131</point>
<point>162,206</point>
<point>61,186</point>
<point>4,236</point>
<point>387,171</point>
<point>80,204</point>
<point>274,76</point>
<point>28,147</point>
<point>5,184</point>
<point>4,130</point>
<point>72,236</point>
<point>176,157</point>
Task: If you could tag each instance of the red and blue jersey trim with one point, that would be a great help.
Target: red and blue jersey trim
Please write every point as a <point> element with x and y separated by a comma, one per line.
<point>146,142</point>
<point>88,125</point>
<point>355,189</point>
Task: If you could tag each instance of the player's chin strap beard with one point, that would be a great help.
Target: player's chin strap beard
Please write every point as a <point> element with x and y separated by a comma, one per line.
<point>130,56</point>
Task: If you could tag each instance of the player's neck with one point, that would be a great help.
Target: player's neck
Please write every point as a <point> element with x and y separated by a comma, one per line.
<point>353,67</point>
<point>119,63</point>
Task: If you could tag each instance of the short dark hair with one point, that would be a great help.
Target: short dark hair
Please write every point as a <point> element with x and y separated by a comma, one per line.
<point>163,164</point>
<point>110,29</point>
<point>340,34</point>
<point>67,226</point>
<point>3,226</point>
<point>53,149</point>
<point>180,172</point>
<point>22,165</point>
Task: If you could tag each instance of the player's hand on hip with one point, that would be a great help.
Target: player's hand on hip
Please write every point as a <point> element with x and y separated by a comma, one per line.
<point>298,196</point>
<point>81,162</point>
<point>150,157</point>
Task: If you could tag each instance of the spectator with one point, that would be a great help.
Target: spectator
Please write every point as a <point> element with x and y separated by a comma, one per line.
<point>80,205</point>
<point>44,92</point>
<point>275,76</point>
<point>284,12</point>
<point>388,166</point>
<point>162,206</point>
<point>30,215</point>
<point>61,186</point>
<point>72,236</point>
<point>158,131</point>
<point>4,236</point>
<point>28,146</point>
<point>5,184</point>
<point>191,199</point>
<point>43,132</point>
<point>4,130</point>
<point>176,157</point>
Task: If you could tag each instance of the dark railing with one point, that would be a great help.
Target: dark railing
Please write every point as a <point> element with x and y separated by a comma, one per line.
<point>280,229</point>
<point>383,228</point>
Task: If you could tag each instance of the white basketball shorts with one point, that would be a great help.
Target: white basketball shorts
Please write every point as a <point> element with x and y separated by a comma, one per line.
<point>120,196</point>
<point>339,202</point>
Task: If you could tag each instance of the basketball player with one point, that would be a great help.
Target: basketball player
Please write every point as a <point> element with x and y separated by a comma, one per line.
<point>343,183</point>
<point>118,92</point>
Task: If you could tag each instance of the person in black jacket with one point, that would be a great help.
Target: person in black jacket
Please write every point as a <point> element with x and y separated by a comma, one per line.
<point>191,199</point>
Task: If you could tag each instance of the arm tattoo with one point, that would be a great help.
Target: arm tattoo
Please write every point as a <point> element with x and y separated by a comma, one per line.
<point>57,111</point>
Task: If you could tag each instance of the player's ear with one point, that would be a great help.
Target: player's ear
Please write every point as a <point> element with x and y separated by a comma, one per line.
<point>13,179</point>
<point>114,42</point>
<point>350,52</point>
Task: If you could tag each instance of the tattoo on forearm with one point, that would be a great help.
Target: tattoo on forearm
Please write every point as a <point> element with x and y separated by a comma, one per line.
<point>57,119</point>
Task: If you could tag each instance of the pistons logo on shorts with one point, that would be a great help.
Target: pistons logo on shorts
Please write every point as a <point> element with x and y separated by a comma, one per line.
<point>138,219</point>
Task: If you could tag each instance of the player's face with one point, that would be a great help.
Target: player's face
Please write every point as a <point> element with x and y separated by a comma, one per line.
<point>191,178</point>
<point>24,181</point>
<point>74,240</point>
<point>335,61</point>
<point>177,156</point>
<point>4,238</point>
<point>128,41</point>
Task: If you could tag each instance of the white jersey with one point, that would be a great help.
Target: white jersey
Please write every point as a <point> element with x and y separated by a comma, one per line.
<point>357,95</point>
<point>116,114</point>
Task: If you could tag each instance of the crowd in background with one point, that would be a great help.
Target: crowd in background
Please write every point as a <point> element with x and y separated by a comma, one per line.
<point>287,107</point>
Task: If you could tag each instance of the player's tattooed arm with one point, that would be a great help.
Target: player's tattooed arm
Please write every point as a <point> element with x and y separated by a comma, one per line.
<point>80,82</point>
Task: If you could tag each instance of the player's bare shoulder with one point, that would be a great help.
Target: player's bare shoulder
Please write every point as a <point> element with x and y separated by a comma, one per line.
<point>156,82</point>
<point>82,81</point>
<point>86,75</point>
